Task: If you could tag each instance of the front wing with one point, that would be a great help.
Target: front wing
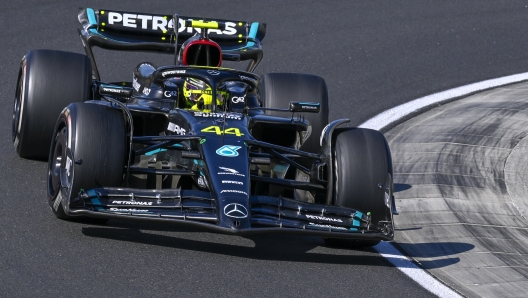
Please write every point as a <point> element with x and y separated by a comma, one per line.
<point>192,207</point>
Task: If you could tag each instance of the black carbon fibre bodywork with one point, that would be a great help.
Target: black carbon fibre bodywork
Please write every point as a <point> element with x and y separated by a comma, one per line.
<point>230,168</point>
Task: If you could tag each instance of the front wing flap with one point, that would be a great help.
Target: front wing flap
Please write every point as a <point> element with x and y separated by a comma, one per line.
<point>193,207</point>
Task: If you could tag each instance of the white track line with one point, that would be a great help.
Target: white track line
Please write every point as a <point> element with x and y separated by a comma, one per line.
<point>397,114</point>
<point>405,265</point>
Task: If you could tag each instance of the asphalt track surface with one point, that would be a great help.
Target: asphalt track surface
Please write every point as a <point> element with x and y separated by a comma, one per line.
<point>374,55</point>
<point>460,185</point>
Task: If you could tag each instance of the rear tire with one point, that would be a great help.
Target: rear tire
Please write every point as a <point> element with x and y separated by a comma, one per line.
<point>276,91</point>
<point>362,163</point>
<point>93,157</point>
<point>47,82</point>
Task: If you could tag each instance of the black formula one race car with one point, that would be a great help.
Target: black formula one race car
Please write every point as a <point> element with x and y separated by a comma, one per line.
<point>193,143</point>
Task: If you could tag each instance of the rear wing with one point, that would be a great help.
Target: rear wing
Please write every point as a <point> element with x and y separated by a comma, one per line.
<point>131,31</point>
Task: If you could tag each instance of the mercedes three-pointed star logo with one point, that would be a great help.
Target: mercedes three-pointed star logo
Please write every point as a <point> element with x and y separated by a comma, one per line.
<point>235,210</point>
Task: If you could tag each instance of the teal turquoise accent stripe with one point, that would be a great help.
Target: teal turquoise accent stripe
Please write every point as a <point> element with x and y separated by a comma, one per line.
<point>253,33</point>
<point>91,16</point>
<point>92,19</point>
<point>155,151</point>
<point>97,204</point>
<point>95,199</point>
<point>161,150</point>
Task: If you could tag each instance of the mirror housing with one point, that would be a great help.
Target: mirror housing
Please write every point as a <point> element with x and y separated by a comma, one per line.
<point>304,107</point>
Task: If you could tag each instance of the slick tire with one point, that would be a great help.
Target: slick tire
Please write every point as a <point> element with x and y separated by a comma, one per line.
<point>278,89</point>
<point>88,150</point>
<point>47,82</point>
<point>362,170</point>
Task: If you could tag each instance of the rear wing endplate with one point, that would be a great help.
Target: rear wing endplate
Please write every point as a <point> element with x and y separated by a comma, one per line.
<point>132,31</point>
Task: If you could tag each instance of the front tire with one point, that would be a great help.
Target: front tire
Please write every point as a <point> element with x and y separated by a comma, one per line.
<point>88,150</point>
<point>47,82</point>
<point>362,176</point>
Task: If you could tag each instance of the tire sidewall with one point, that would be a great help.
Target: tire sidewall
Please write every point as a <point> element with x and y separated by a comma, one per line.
<point>50,81</point>
<point>361,163</point>
<point>20,97</point>
<point>89,166</point>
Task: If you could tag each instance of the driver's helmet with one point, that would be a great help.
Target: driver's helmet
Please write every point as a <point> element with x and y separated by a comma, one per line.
<point>199,96</point>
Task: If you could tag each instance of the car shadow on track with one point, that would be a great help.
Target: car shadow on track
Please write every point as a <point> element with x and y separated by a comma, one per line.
<point>401,187</point>
<point>433,255</point>
<point>291,248</point>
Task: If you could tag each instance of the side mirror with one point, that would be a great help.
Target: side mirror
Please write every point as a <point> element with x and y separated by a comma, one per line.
<point>305,107</point>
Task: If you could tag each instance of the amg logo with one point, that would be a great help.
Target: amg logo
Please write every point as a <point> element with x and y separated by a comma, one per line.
<point>177,129</point>
<point>160,23</point>
<point>136,203</point>
<point>323,218</point>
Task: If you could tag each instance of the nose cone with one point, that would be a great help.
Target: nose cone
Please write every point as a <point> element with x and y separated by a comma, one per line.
<point>234,213</point>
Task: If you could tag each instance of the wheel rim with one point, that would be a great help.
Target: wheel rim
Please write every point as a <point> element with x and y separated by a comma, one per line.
<point>57,162</point>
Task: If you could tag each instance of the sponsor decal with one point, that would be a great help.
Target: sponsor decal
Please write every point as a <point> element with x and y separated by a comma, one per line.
<point>136,85</point>
<point>112,90</point>
<point>202,182</point>
<point>237,99</point>
<point>232,182</point>
<point>309,107</point>
<point>170,93</point>
<point>138,203</point>
<point>150,22</point>
<point>199,84</point>
<point>128,210</point>
<point>218,130</point>
<point>171,72</point>
<point>323,218</point>
<point>57,202</point>
<point>234,191</point>
<point>229,171</point>
<point>146,91</point>
<point>235,210</point>
<point>245,78</point>
<point>213,72</point>
<point>176,129</point>
<point>228,151</point>
<point>327,226</point>
<point>68,165</point>
<point>218,115</point>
